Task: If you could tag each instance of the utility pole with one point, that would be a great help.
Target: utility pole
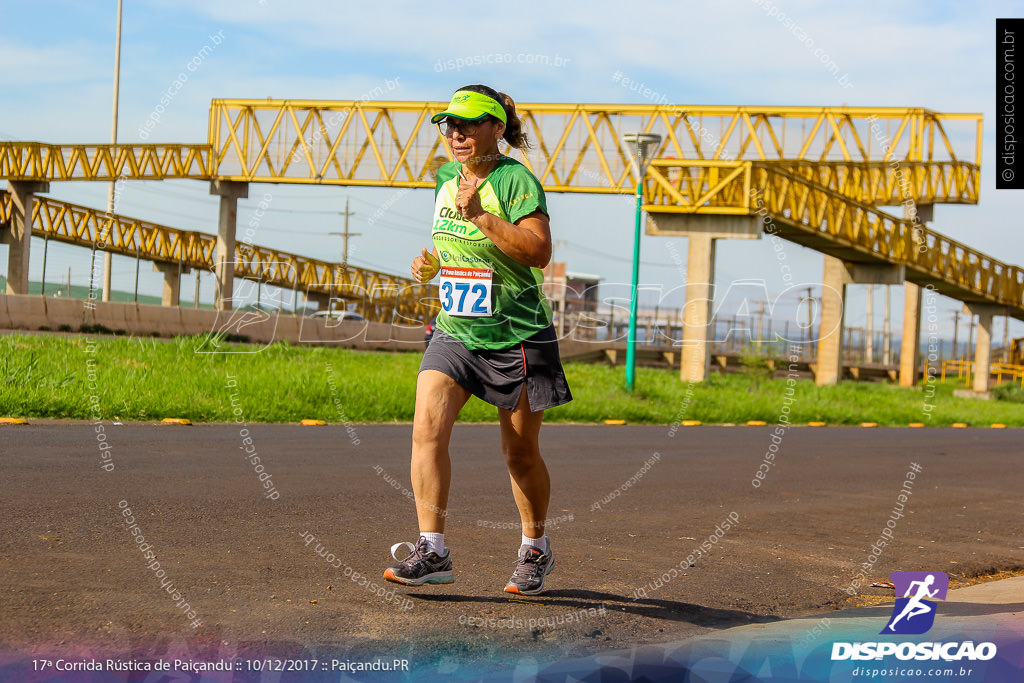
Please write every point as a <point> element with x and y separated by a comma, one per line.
<point>42,285</point>
<point>760,319</point>
<point>810,313</point>
<point>345,235</point>
<point>956,331</point>
<point>970,338</point>
<point>561,294</point>
<point>886,331</point>
<point>810,316</point>
<point>869,333</point>
<point>1006,337</point>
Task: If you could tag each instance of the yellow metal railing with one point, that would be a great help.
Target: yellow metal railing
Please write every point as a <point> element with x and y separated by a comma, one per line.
<point>380,295</point>
<point>40,161</point>
<point>5,208</point>
<point>1014,372</point>
<point>708,186</point>
<point>579,148</point>
<point>874,155</point>
<point>805,211</point>
<point>819,172</point>
<point>964,370</point>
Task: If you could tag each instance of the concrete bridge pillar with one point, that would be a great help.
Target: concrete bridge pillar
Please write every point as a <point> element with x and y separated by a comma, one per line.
<point>700,278</point>
<point>701,231</point>
<point>224,257</point>
<point>983,346</point>
<point>19,233</point>
<point>172,273</point>
<point>829,364</point>
<point>320,299</point>
<point>910,347</point>
<point>837,275</point>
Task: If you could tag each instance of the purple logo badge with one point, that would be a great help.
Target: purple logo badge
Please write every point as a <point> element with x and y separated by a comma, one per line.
<point>914,612</point>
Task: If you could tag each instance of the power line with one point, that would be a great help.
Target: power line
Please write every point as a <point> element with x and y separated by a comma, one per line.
<point>302,211</point>
<point>170,193</point>
<point>198,219</point>
<point>360,263</point>
<point>295,232</point>
<point>613,257</point>
<point>393,212</point>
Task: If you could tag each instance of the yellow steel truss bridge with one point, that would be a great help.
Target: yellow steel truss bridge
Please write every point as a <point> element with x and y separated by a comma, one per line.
<point>821,174</point>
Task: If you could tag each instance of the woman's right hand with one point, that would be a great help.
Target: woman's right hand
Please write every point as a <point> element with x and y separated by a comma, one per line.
<point>425,267</point>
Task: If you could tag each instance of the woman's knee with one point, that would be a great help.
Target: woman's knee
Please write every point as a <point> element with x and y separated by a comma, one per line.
<point>520,452</point>
<point>429,428</point>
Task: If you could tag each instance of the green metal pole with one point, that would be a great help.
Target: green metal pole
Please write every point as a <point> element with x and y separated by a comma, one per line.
<point>631,343</point>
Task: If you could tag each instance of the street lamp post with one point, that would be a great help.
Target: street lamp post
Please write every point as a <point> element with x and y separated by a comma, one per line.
<point>108,255</point>
<point>639,145</point>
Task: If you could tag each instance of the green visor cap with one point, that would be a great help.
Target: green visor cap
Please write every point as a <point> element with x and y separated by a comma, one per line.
<point>470,106</point>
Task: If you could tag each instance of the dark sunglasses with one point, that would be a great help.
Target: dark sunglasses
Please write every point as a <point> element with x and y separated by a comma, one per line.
<point>449,125</point>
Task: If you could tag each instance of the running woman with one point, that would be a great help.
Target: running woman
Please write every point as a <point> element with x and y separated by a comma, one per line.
<point>494,338</point>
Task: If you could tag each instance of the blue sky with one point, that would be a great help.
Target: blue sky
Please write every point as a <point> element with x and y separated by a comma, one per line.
<point>58,57</point>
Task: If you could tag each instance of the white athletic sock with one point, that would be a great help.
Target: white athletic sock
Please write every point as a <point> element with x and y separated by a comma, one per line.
<point>541,542</point>
<point>435,540</point>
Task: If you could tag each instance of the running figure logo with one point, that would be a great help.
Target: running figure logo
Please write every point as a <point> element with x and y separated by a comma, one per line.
<point>913,613</point>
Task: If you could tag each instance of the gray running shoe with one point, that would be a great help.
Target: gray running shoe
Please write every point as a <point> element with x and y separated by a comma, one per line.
<point>531,568</point>
<point>420,566</point>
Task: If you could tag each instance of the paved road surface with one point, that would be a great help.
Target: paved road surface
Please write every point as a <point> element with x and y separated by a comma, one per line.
<point>75,582</point>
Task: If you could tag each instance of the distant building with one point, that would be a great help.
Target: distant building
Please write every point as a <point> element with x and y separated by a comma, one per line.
<point>570,294</point>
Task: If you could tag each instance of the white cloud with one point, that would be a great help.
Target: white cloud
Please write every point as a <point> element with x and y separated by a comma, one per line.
<point>41,66</point>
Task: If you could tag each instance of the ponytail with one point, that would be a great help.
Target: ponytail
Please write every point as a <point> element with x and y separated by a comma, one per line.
<point>514,134</point>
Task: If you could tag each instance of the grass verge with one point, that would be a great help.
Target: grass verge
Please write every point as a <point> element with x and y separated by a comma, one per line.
<point>145,379</point>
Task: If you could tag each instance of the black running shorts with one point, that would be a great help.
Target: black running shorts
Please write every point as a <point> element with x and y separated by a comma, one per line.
<point>497,376</point>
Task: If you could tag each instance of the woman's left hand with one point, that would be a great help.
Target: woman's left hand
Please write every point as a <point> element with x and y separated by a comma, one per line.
<point>467,201</point>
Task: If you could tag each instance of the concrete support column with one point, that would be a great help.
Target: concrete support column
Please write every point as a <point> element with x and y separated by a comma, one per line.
<point>172,282</point>
<point>19,233</point>
<point>224,256</point>
<point>321,300</point>
<point>983,346</point>
<point>910,348</point>
<point>700,277</point>
<point>829,364</point>
<point>701,230</point>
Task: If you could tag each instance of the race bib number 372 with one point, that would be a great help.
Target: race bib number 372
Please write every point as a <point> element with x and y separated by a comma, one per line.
<point>466,292</point>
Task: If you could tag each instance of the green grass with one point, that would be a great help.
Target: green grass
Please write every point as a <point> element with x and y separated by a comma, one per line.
<point>146,379</point>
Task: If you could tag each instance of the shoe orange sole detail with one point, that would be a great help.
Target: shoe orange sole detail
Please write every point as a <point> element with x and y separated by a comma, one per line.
<point>389,575</point>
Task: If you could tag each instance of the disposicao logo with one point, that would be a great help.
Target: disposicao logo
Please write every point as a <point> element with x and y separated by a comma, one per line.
<point>913,614</point>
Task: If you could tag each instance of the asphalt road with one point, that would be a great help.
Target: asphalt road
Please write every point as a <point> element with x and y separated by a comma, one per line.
<point>74,580</point>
